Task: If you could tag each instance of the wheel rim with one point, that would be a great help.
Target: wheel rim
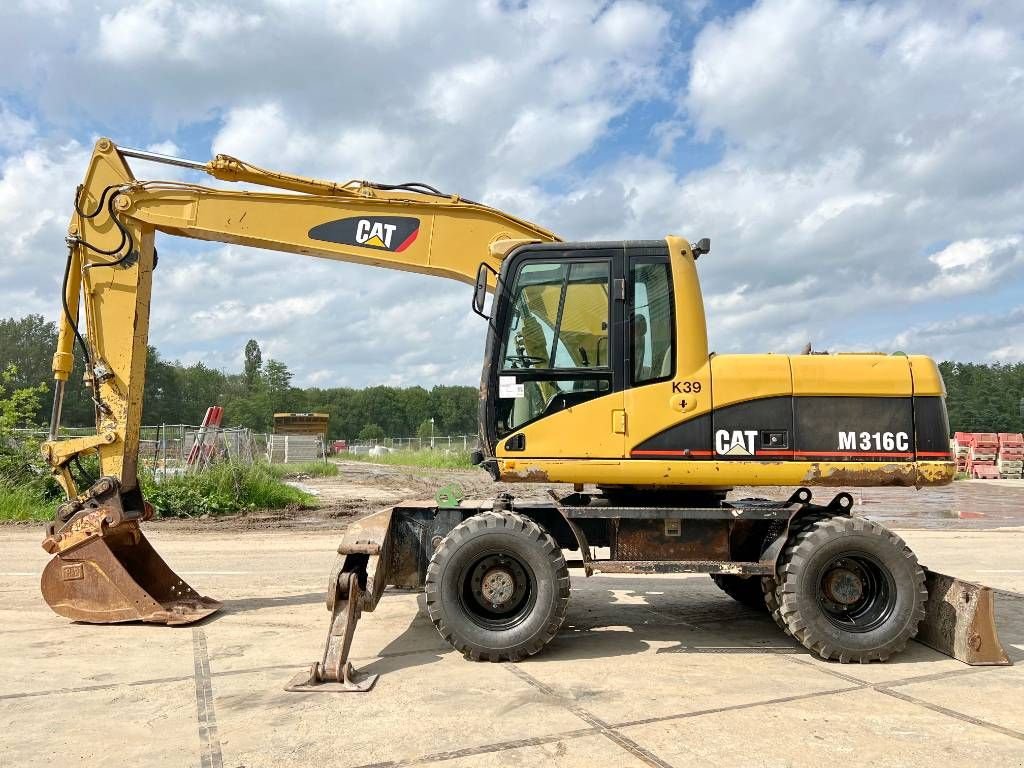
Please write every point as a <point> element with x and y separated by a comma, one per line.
<point>497,590</point>
<point>856,592</point>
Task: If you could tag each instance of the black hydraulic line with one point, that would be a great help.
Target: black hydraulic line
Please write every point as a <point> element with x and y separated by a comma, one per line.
<point>126,239</point>
<point>410,186</point>
<point>99,205</point>
<point>84,479</point>
<point>420,188</point>
<point>67,310</point>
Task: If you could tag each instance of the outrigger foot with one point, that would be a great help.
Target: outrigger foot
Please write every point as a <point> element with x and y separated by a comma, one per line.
<point>335,673</point>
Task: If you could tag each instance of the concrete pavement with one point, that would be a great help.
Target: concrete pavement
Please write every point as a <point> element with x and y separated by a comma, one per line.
<point>647,671</point>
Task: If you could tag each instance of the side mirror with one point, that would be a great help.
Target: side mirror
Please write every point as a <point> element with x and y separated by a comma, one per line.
<point>703,246</point>
<point>480,289</point>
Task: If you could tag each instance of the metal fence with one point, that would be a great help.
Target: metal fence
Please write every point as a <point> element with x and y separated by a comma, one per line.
<point>175,448</point>
<point>181,448</point>
<point>436,443</point>
<point>291,449</point>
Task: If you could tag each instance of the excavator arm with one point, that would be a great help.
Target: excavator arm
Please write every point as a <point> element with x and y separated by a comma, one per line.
<point>103,570</point>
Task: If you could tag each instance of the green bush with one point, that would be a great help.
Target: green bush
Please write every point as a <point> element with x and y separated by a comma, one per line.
<point>27,490</point>
<point>223,489</point>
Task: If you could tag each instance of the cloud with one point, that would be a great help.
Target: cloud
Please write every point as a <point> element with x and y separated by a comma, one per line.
<point>988,337</point>
<point>15,131</point>
<point>857,166</point>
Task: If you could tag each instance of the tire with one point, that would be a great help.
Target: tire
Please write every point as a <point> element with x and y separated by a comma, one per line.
<point>850,590</point>
<point>770,584</point>
<point>497,588</point>
<point>769,589</point>
<point>742,589</point>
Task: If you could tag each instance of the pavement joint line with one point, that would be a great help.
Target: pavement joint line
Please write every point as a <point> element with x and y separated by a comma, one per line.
<point>951,713</point>
<point>485,749</point>
<point>182,678</point>
<point>736,707</point>
<point>896,682</point>
<point>626,743</point>
<point>888,686</point>
<point>210,755</point>
<point>97,687</point>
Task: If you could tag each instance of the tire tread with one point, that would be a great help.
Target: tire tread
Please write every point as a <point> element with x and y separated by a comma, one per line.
<point>533,532</point>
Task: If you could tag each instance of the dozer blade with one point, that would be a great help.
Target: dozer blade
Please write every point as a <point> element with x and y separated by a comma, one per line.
<point>119,577</point>
<point>959,621</point>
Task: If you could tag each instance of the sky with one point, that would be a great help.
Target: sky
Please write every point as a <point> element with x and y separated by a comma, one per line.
<point>859,167</point>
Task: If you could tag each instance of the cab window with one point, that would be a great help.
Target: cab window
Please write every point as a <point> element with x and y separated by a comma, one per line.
<point>652,348</point>
<point>555,349</point>
<point>559,317</point>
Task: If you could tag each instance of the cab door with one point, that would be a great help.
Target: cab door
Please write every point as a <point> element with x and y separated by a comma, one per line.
<point>668,388</point>
<point>560,386</point>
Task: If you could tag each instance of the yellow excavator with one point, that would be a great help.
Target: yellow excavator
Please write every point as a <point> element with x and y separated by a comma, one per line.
<point>596,373</point>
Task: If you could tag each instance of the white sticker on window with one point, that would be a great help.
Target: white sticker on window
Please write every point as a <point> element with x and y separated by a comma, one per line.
<point>509,389</point>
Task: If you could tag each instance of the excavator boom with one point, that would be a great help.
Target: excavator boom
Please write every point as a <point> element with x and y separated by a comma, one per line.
<point>103,570</point>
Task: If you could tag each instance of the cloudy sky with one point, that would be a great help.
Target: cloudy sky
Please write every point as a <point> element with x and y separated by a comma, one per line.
<point>859,167</point>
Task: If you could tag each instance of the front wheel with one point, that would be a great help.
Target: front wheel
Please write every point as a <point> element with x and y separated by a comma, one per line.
<point>850,590</point>
<point>497,587</point>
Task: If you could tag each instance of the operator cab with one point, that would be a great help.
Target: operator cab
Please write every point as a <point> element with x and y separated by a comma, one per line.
<point>572,323</point>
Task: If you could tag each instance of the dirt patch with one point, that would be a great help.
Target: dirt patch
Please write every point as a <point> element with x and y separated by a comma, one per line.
<point>358,488</point>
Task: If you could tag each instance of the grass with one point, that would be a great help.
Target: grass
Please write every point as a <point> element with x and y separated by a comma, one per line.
<point>20,504</point>
<point>439,459</point>
<point>309,469</point>
<point>224,489</point>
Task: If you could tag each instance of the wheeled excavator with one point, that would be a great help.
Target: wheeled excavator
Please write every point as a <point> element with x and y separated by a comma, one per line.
<point>596,374</point>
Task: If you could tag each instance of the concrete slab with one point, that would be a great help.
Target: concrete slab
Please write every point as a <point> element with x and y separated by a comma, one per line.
<point>646,671</point>
<point>55,654</point>
<point>860,727</point>
<point>577,752</point>
<point>119,725</point>
<point>606,659</point>
<point>427,705</point>
<point>994,698</point>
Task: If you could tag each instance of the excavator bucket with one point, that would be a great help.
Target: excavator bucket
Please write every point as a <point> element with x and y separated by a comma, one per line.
<point>119,577</point>
<point>959,621</point>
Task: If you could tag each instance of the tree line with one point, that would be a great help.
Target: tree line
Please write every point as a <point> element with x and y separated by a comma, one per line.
<point>981,397</point>
<point>984,397</point>
<point>180,394</point>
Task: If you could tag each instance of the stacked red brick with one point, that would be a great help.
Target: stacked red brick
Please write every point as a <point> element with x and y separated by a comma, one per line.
<point>1010,458</point>
<point>982,451</point>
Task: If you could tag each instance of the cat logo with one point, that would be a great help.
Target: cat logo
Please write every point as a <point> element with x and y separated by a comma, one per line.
<point>383,233</point>
<point>735,442</point>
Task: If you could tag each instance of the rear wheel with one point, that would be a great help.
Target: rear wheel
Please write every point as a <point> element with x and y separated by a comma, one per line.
<point>770,584</point>
<point>850,590</point>
<point>497,587</point>
<point>743,589</point>
<point>770,595</point>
